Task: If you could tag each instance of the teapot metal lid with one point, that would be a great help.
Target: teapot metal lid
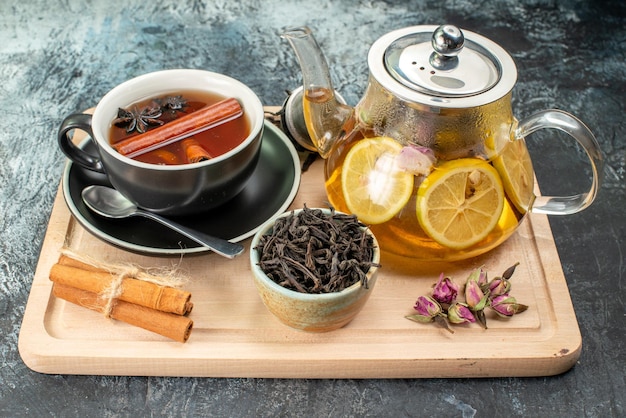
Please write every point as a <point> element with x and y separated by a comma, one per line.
<point>442,66</point>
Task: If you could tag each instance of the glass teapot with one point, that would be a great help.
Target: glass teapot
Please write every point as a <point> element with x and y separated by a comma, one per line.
<point>432,158</point>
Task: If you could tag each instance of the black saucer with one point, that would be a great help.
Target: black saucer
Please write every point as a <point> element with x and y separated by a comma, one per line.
<point>269,192</point>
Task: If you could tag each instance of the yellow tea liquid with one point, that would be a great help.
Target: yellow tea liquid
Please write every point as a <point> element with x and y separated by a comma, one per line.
<point>403,234</point>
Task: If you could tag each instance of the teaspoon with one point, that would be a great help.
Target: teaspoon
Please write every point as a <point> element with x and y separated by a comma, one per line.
<point>110,203</point>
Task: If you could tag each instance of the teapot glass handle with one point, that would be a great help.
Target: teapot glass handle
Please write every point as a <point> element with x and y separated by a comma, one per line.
<point>557,119</point>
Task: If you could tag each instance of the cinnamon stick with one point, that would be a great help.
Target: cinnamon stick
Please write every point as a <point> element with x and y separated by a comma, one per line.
<point>194,151</point>
<point>185,126</point>
<point>169,325</point>
<point>71,272</point>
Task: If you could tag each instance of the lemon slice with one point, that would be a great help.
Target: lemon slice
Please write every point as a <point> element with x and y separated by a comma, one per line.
<point>516,171</point>
<point>460,202</point>
<point>374,187</point>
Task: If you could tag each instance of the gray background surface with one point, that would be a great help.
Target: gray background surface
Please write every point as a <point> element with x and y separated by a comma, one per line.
<point>57,57</point>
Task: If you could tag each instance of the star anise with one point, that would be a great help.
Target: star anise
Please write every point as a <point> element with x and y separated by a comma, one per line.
<point>174,103</point>
<point>139,120</point>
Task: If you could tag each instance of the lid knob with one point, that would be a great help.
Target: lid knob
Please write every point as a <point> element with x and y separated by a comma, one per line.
<point>447,42</point>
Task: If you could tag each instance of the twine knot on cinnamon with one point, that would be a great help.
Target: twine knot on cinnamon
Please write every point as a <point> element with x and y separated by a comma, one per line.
<point>114,290</point>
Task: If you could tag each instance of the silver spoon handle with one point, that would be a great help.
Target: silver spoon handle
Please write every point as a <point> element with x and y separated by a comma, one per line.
<point>220,246</point>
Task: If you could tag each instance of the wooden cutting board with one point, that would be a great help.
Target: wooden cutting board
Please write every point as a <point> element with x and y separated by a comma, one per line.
<point>235,336</point>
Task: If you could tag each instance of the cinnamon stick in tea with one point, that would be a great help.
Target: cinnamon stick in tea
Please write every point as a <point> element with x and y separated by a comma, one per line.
<point>194,151</point>
<point>71,272</point>
<point>169,325</point>
<point>192,123</point>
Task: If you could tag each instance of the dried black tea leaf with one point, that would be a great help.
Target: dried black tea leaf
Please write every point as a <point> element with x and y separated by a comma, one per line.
<point>316,252</point>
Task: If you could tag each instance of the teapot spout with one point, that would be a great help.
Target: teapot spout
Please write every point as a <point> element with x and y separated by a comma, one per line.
<point>327,119</point>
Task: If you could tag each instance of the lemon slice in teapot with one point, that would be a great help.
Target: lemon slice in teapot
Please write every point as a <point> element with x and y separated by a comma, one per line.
<point>516,170</point>
<point>460,202</point>
<point>374,186</point>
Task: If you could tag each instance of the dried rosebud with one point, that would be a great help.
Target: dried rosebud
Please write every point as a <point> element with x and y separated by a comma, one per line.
<point>427,306</point>
<point>445,290</point>
<point>505,305</point>
<point>509,272</point>
<point>427,309</point>
<point>416,160</point>
<point>499,286</point>
<point>479,276</point>
<point>459,313</point>
<point>474,296</point>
